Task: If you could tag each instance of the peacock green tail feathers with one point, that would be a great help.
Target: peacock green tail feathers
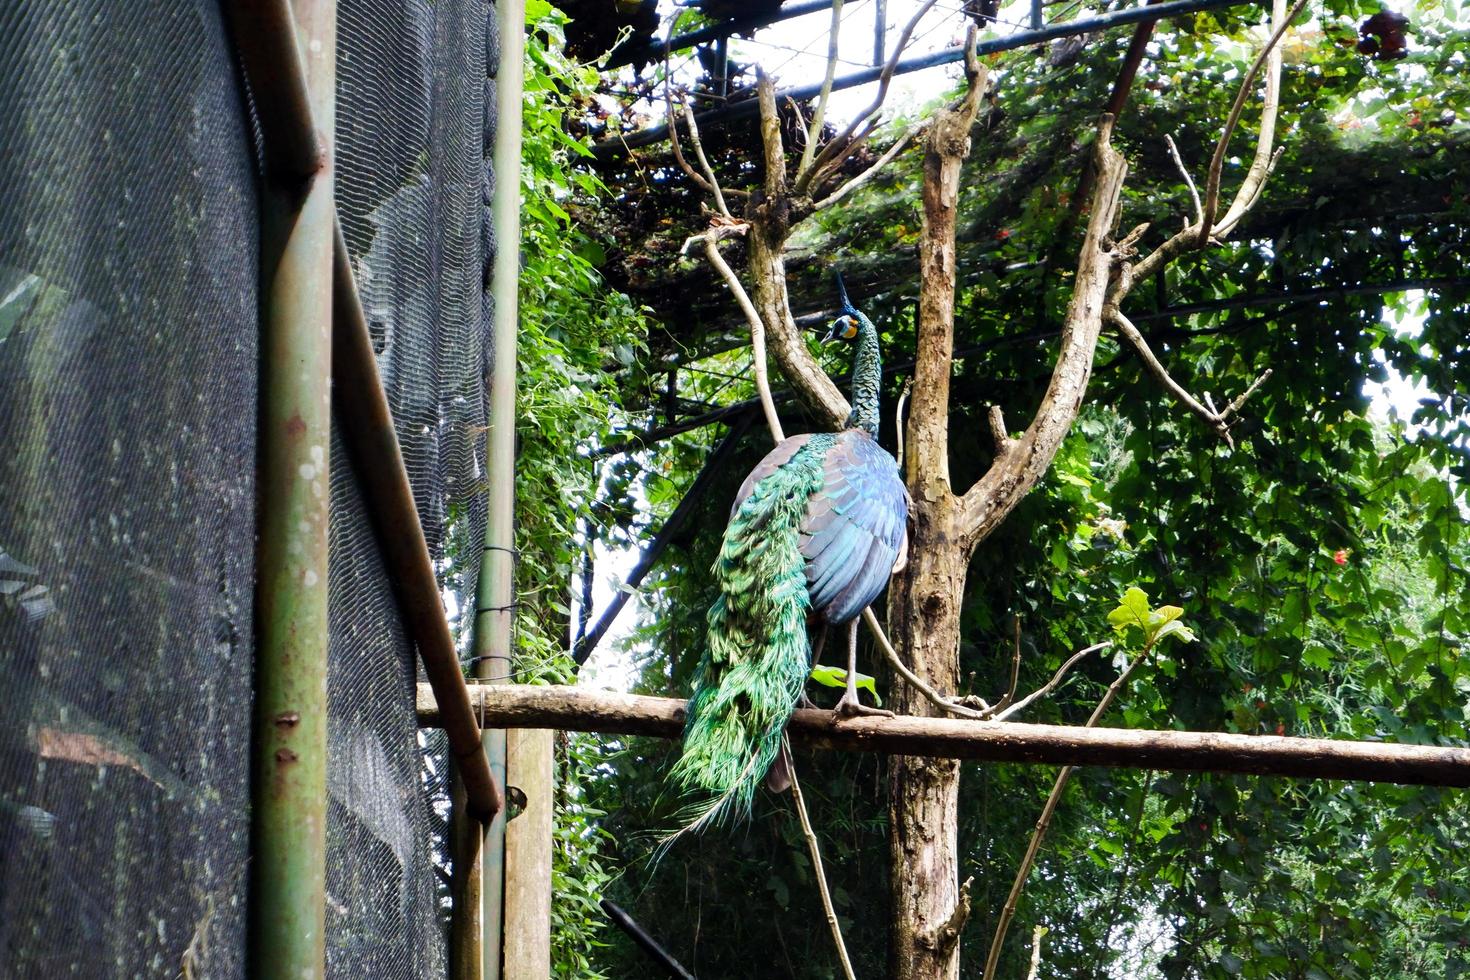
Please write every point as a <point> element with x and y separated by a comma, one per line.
<point>757,658</point>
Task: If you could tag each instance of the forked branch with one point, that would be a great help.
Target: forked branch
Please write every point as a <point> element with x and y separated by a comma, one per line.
<point>1198,234</point>
<point>1016,471</point>
<point>842,144</point>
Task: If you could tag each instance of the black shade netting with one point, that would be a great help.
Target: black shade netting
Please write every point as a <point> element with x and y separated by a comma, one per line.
<point>128,326</point>
<point>411,149</point>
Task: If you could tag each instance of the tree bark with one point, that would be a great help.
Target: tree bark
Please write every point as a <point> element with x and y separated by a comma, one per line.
<point>923,793</point>
<point>924,599</point>
<point>769,213</point>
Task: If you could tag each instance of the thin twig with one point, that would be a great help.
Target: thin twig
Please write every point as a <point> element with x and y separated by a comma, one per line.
<point>1052,684</point>
<point>1044,822</point>
<point>1161,374</point>
<point>820,115</point>
<point>757,332</point>
<point>841,143</point>
<point>1188,180</point>
<point>689,171</point>
<point>714,184</point>
<point>1217,420</point>
<point>1010,694</point>
<point>1197,234</point>
<point>903,397</point>
<point>816,853</point>
<point>1240,401</point>
<point>932,696</point>
<point>1268,121</point>
<point>902,143</point>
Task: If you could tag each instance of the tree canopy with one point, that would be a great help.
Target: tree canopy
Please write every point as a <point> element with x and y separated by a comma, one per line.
<point>1318,556</point>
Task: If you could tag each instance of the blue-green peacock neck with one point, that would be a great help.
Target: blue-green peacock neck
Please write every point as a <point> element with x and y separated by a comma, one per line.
<point>867,373</point>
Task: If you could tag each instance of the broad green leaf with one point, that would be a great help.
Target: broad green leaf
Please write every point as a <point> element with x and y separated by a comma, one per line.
<point>837,677</point>
<point>1132,611</point>
<point>1174,628</point>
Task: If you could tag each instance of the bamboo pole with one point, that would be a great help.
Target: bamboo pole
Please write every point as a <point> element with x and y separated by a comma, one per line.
<point>528,857</point>
<point>585,710</point>
<point>495,588</point>
<point>289,55</point>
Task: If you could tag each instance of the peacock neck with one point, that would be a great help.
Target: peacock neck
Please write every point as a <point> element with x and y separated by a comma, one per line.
<point>867,371</point>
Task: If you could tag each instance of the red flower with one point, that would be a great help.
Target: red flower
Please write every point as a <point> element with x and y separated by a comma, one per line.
<point>1003,234</point>
<point>1340,556</point>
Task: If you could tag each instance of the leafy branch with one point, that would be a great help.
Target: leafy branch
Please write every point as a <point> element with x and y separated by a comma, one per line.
<point>1133,613</point>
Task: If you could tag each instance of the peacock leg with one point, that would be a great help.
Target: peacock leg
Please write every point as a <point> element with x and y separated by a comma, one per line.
<point>850,706</point>
<point>802,701</point>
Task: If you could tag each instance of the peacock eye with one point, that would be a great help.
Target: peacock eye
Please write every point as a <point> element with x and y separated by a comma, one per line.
<point>849,329</point>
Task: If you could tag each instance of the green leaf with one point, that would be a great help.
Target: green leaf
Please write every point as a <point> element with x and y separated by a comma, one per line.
<point>837,677</point>
<point>1132,611</point>
<point>1174,628</point>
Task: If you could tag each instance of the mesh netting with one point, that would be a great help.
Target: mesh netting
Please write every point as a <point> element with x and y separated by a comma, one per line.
<point>411,150</point>
<point>127,491</point>
<point>128,372</point>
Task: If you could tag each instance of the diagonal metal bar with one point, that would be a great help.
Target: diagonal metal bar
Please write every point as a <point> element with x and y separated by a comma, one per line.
<point>616,145</point>
<point>655,549</point>
<point>372,445</point>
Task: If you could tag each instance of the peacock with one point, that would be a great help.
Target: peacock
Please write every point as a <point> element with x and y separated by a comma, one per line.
<point>817,529</point>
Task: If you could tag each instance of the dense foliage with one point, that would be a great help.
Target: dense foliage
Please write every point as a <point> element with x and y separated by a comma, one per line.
<point>1321,560</point>
<point>572,329</point>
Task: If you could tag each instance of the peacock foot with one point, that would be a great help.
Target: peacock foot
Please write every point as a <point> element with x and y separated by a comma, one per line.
<point>851,707</point>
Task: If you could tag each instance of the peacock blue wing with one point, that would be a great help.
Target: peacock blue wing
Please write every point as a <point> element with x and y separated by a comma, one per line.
<point>773,461</point>
<point>855,529</point>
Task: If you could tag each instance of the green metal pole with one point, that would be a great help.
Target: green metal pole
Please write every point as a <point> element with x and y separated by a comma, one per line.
<point>495,592</point>
<point>288,817</point>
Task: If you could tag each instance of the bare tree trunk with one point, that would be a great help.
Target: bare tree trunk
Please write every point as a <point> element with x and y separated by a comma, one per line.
<point>924,600</point>
<point>923,794</point>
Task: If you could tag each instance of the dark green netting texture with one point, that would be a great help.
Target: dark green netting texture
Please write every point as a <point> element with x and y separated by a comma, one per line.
<point>128,378</point>
<point>411,151</point>
<point>127,490</point>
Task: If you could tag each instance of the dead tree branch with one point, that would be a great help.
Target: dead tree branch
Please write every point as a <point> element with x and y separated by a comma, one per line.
<point>1188,180</point>
<point>1051,685</point>
<point>1219,421</point>
<point>819,116</point>
<point>585,710</point>
<point>769,213</point>
<point>899,145</point>
<point>712,182</point>
<point>1255,178</point>
<point>842,143</point>
<point>1015,472</point>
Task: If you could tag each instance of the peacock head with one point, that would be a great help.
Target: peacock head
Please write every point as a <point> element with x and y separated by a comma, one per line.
<point>845,327</point>
<point>848,326</point>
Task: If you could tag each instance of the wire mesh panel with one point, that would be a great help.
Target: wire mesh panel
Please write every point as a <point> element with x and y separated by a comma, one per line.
<point>128,366</point>
<point>410,157</point>
<point>127,497</point>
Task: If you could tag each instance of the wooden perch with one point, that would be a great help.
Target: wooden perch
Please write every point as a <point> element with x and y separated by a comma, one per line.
<point>586,710</point>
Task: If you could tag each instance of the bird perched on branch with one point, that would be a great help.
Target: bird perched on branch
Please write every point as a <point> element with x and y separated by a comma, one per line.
<point>816,530</point>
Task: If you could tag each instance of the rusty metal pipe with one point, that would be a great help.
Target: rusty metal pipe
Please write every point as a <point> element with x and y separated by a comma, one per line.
<point>289,57</point>
<point>372,444</point>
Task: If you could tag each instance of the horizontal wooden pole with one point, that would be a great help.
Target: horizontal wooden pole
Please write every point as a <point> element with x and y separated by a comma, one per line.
<point>585,710</point>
